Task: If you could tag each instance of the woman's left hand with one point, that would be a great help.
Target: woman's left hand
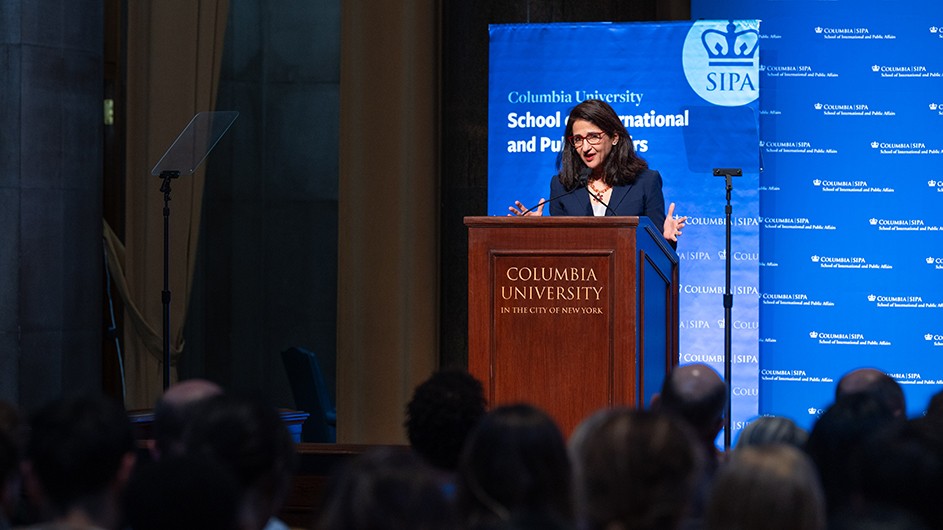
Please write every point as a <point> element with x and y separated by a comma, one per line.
<point>673,225</point>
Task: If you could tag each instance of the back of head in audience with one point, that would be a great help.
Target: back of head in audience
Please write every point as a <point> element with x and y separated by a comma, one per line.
<point>838,434</point>
<point>877,382</point>
<point>174,410</point>
<point>901,468</point>
<point>769,430</point>
<point>638,470</point>
<point>250,439</point>
<point>442,412</point>
<point>79,455</point>
<point>515,465</point>
<point>386,489</point>
<point>698,395</point>
<point>771,487</point>
<point>182,493</point>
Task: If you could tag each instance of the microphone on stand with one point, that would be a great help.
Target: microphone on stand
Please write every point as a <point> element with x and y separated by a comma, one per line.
<point>581,183</point>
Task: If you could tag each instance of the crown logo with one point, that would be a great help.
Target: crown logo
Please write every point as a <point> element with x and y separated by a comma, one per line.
<point>762,143</point>
<point>816,182</point>
<point>873,221</point>
<point>814,334</point>
<point>818,29</point>
<point>930,261</point>
<point>934,29</point>
<point>928,336</point>
<point>931,183</point>
<point>720,323</point>
<point>812,410</point>
<point>722,254</point>
<point>762,67</point>
<point>815,259</point>
<point>875,68</point>
<point>818,106</point>
<point>933,106</point>
<point>875,145</point>
<point>871,298</point>
<point>730,48</point>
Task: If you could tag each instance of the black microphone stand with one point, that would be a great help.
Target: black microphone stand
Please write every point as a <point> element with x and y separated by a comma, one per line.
<point>727,173</point>
<point>166,177</point>
<point>186,153</point>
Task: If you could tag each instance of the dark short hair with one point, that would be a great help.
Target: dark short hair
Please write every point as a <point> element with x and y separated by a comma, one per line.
<point>386,489</point>
<point>515,461</point>
<point>443,410</point>
<point>702,411</point>
<point>638,469</point>
<point>182,492</point>
<point>247,436</point>
<point>76,447</point>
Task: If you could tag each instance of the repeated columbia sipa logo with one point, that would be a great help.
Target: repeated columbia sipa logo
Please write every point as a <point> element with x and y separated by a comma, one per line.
<point>716,358</point>
<point>721,61</point>
<point>904,148</point>
<point>831,338</point>
<point>902,225</point>
<point>799,299</point>
<point>935,184</point>
<point>769,374</point>
<point>935,262</point>
<point>792,223</point>
<point>904,70</point>
<point>851,109</point>
<point>739,255</point>
<point>794,70</point>
<point>718,289</point>
<point>803,147</point>
<point>740,324</point>
<point>901,301</point>
<point>914,378</point>
<point>694,255</point>
<point>848,186</point>
<point>851,33</point>
<point>722,221</point>
<point>847,262</point>
<point>935,339</point>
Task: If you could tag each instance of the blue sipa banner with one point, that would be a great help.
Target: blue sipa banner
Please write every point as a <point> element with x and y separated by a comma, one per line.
<point>688,94</point>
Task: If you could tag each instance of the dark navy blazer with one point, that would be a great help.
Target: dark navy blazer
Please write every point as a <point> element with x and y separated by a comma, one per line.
<point>643,197</point>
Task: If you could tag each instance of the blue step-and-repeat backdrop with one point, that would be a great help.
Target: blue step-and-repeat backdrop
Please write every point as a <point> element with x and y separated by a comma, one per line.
<point>834,110</point>
<point>851,196</point>
<point>688,94</point>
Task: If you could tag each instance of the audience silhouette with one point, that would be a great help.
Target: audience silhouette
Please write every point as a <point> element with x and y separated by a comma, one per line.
<point>225,462</point>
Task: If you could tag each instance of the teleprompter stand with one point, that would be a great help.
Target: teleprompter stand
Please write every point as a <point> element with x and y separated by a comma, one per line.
<point>727,173</point>
<point>183,157</point>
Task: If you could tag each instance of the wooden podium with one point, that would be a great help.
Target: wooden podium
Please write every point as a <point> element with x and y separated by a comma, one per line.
<point>571,314</point>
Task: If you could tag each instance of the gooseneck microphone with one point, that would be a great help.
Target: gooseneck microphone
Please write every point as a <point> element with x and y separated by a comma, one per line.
<point>582,182</point>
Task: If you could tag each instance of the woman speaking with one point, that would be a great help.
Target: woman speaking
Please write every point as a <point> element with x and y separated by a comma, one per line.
<point>599,156</point>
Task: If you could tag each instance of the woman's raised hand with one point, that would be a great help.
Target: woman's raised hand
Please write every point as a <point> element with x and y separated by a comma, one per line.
<point>673,225</point>
<point>521,210</point>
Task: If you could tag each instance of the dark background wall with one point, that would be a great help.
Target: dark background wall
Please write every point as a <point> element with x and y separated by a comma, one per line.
<point>267,274</point>
<point>50,198</point>
<point>267,270</point>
